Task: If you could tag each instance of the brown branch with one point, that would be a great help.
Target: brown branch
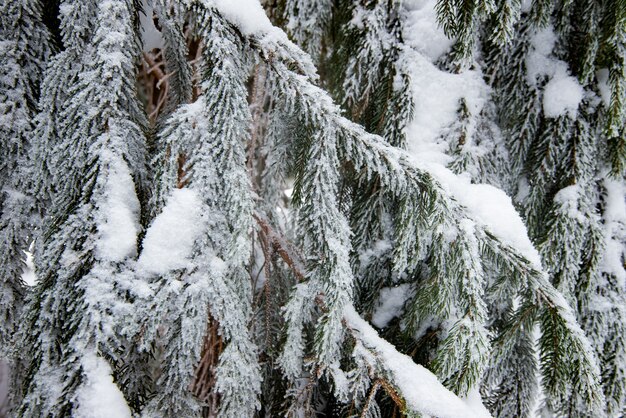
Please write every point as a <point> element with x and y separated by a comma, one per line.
<point>370,398</point>
<point>393,393</point>
<point>282,247</point>
<point>160,83</point>
<point>181,172</point>
<point>153,66</point>
<point>205,373</point>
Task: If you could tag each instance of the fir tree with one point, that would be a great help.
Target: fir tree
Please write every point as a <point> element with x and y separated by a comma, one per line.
<point>211,133</point>
<point>246,298</point>
<point>77,307</point>
<point>25,47</point>
<point>563,160</point>
<point>458,20</point>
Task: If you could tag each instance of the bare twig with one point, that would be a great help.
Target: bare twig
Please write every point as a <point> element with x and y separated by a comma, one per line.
<point>290,257</point>
<point>160,83</point>
<point>282,247</point>
<point>370,398</point>
<point>204,376</point>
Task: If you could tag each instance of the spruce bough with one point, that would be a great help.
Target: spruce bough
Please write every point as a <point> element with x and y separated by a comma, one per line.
<point>178,278</point>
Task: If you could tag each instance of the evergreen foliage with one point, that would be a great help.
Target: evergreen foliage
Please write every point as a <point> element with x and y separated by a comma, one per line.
<point>80,300</point>
<point>563,161</point>
<point>255,246</point>
<point>24,47</point>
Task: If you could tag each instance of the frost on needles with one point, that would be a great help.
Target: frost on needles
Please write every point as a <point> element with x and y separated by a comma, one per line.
<point>24,48</point>
<point>270,240</point>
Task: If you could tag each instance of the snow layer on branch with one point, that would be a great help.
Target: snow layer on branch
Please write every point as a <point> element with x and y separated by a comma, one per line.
<point>563,93</point>
<point>615,215</point>
<point>494,209</point>
<point>603,86</point>
<point>419,387</point>
<point>475,403</point>
<point>615,201</point>
<point>29,276</point>
<point>436,96</point>
<point>119,217</point>
<point>436,93</point>
<point>169,240</point>
<point>526,6</point>
<point>250,18</point>
<point>488,205</point>
<point>99,396</point>
<point>567,199</point>
<point>247,15</point>
<point>390,304</point>
<point>539,62</point>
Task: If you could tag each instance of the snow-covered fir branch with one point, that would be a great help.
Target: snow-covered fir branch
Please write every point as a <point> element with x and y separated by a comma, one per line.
<point>310,207</point>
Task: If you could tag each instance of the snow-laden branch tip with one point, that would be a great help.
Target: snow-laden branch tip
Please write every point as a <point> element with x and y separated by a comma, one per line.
<point>419,387</point>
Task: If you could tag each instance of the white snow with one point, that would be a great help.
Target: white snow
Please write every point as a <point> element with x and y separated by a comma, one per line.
<point>28,275</point>
<point>118,223</point>
<point>538,61</point>
<point>419,387</point>
<point>562,95</point>
<point>377,250</point>
<point>422,30</point>
<point>615,200</point>
<point>99,396</point>
<point>567,194</point>
<point>169,240</point>
<point>390,304</point>
<point>475,402</point>
<point>567,199</point>
<point>487,205</point>
<point>615,216</point>
<point>248,15</point>
<point>523,189</point>
<point>436,95</point>
<point>340,382</point>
